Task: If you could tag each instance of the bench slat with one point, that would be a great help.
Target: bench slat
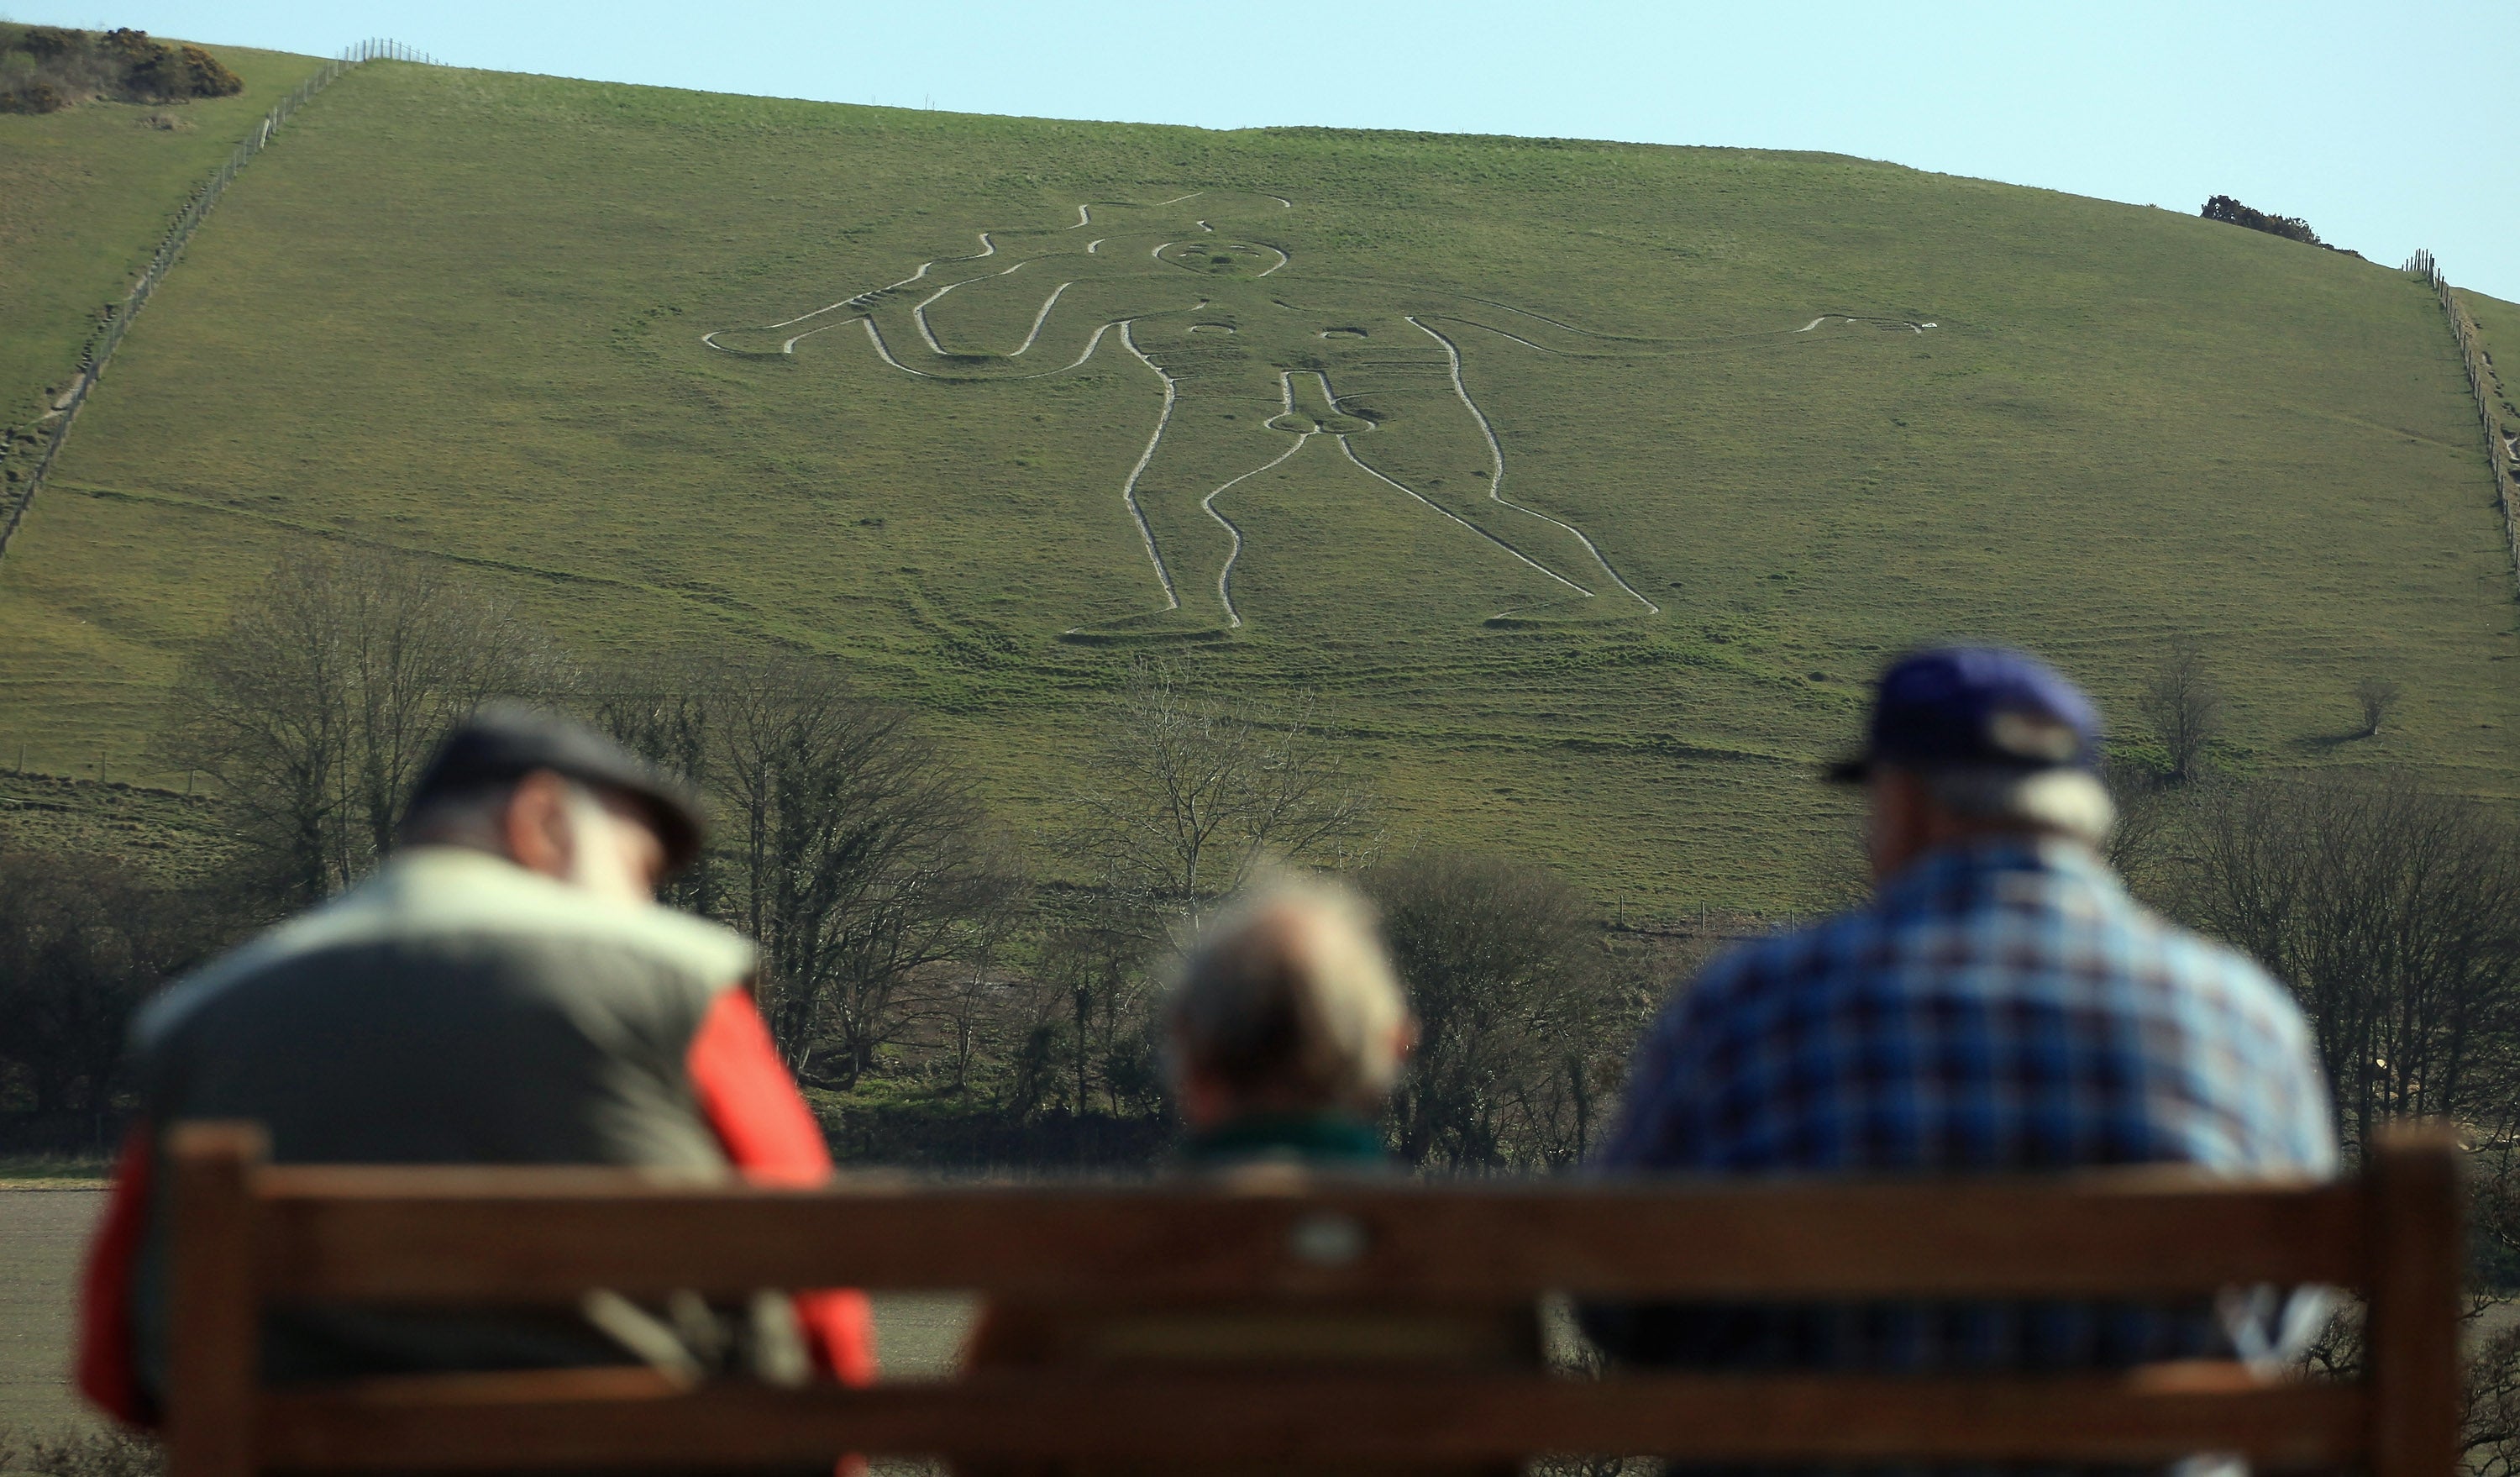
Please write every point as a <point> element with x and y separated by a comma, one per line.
<point>462,1423</point>
<point>448,1234</point>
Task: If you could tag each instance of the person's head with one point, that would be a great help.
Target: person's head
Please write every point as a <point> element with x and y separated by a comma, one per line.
<point>1286,1004</point>
<point>556,799</point>
<point>1971,742</point>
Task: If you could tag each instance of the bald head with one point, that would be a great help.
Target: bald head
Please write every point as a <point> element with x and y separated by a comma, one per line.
<point>1288,1005</point>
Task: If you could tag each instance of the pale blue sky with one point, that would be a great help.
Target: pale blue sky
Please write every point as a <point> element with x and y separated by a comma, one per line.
<point>2388,126</point>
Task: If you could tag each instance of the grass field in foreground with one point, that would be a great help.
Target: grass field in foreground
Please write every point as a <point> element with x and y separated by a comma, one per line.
<point>460,312</point>
<point>84,196</point>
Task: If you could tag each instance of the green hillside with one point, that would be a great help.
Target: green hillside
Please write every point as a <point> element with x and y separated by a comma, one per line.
<point>84,194</point>
<point>2498,323</point>
<point>1762,418</point>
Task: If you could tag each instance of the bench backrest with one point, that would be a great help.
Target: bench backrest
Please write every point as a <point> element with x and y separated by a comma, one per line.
<point>250,1236</point>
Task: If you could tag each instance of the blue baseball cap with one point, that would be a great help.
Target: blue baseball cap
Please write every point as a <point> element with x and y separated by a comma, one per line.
<point>1976,706</point>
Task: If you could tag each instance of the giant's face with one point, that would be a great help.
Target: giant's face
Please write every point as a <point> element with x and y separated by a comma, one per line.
<point>1214,257</point>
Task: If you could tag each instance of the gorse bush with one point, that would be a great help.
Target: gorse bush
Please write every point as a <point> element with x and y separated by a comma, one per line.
<point>2224,209</point>
<point>46,67</point>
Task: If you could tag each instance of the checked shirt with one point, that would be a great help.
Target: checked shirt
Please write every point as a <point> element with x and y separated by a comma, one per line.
<point>1999,1007</point>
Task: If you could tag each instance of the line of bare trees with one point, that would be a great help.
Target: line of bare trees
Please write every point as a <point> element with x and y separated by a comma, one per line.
<point>83,939</point>
<point>2393,912</point>
<point>848,847</point>
<point>908,954</point>
<point>316,704</point>
<point>909,951</point>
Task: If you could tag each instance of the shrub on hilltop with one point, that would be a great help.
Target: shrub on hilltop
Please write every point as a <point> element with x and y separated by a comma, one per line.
<point>46,67</point>
<point>2229,212</point>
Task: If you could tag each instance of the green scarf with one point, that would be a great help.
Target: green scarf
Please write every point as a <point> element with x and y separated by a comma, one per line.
<point>1328,1138</point>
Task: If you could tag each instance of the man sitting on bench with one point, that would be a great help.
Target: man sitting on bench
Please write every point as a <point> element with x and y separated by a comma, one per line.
<point>2001,1004</point>
<point>504,990</point>
<point>1287,1031</point>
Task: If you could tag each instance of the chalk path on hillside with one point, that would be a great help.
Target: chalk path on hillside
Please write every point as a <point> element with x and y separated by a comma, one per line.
<point>1219,357</point>
<point>1496,475</point>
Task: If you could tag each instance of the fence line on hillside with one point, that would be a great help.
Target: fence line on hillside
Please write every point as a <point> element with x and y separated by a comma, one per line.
<point>2484,385</point>
<point>170,246</point>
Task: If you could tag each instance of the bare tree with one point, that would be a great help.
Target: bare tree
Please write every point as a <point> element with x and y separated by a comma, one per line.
<point>1095,959</point>
<point>2395,917</point>
<point>317,703</point>
<point>2140,840</point>
<point>1185,801</point>
<point>857,856</point>
<point>1521,1026</point>
<point>2183,707</point>
<point>2490,1338</point>
<point>1190,795</point>
<point>969,999</point>
<point>2375,695</point>
<point>660,709</point>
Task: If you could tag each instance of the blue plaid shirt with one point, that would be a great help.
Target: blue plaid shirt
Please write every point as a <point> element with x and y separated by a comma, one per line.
<point>2001,1005</point>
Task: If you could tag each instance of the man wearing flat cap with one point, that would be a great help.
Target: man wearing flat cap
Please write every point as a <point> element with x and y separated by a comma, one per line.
<point>2000,1004</point>
<point>503,990</point>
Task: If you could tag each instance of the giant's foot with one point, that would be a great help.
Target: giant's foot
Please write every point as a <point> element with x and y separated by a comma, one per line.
<point>1573,610</point>
<point>1153,628</point>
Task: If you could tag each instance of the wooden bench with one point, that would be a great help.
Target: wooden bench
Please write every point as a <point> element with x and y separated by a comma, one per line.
<point>250,1235</point>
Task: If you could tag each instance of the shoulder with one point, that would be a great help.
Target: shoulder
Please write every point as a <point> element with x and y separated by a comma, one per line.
<point>1747,988</point>
<point>460,902</point>
<point>2225,990</point>
<point>1764,972</point>
<point>441,891</point>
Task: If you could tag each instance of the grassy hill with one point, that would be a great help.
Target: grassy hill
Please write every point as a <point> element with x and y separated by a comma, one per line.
<point>84,194</point>
<point>1807,409</point>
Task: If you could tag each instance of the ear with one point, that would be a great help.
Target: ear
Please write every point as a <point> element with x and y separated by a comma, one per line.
<point>535,826</point>
<point>1895,820</point>
<point>1404,1038</point>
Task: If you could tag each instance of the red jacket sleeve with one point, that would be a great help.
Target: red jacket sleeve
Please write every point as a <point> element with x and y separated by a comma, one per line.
<point>106,1370</point>
<point>770,1135</point>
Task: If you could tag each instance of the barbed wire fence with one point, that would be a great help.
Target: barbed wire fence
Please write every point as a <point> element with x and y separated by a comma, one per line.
<point>2502,429</point>
<point>109,335</point>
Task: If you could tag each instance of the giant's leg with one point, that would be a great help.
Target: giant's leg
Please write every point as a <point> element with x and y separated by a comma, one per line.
<point>1213,431</point>
<point>1426,445</point>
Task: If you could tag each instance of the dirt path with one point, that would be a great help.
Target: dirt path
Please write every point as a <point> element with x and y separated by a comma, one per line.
<point>43,1234</point>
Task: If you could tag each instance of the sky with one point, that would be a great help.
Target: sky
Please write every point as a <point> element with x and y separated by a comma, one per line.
<point>2386,126</point>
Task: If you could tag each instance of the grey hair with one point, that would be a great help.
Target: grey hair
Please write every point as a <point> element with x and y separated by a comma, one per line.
<point>2069,801</point>
<point>1288,1001</point>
